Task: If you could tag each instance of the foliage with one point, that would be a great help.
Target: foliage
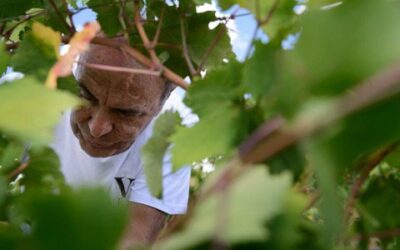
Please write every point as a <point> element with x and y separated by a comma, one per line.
<point>304,141</point>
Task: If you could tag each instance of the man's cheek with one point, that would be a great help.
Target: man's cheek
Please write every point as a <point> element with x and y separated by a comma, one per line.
<point>80,115</point>
<point>128,130</point>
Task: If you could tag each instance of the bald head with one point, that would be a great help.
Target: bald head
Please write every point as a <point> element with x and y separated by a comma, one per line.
<point>120,104</point>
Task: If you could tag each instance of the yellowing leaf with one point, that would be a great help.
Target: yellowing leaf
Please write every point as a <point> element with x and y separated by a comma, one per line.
<point>78,44</point>
<point>47,35</point>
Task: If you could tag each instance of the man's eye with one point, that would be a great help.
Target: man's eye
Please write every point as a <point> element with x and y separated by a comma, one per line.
<point>130,113</point>
<point>84,94</point>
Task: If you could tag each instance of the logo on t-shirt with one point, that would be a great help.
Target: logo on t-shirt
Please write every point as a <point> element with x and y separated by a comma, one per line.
<point>124,184</point>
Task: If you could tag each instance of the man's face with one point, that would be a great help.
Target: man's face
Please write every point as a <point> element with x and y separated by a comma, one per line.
<point>120,105</point>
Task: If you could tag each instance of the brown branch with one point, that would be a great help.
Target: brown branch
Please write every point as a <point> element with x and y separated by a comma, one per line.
<point>355,188</point>
<point>381,86</point>
<point>69,14</point>
<point>185,49</point>
<point>166,72</point>
<point>60,16</point>
<point>216,39</point>
<point>18,170</point>
<point>389,233</point>
<point>211,47</point>
<point>158,31</point>
<point>120,69</point>
<point>143,35</point>
<point>270,14</point>
<point>26,18</point>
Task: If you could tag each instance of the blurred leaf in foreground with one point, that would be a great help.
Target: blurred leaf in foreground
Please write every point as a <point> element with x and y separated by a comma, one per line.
<point>154,150</point>
<point>251,202</point>
<point>82,219</point>
<point>31,109</point>
<point>37,52</point>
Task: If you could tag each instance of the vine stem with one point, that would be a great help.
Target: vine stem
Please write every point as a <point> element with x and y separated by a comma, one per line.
<point>216,40</point>
<point>186,54</point>
<point>261,23</point>
<point>264,146</point>
<point>355,188</point>
<point>120,69</point>
<point>18,170</point>
<point>143,35</point>
<point>26,18</point>
<point>395,232</point>
<point>134,53</point>
<point>70,14</point>
<point>60,16</point>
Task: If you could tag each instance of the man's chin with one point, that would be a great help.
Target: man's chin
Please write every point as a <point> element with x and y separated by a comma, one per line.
<point>100,152</point>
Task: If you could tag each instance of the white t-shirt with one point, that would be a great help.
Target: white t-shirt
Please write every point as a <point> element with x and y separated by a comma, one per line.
<point>123,173</point>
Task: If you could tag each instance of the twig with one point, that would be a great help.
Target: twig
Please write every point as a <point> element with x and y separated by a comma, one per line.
<point>185,49</point>
<point>355,188</point>
<point>166,72</point>
<point>158,31</point>
<point>120,69</point>
<point>217,38</point>
<point>261,23</point>
<point>18,170</point>
<point>70,14</point>
<point>389,233</point>
<point>26,18</point>
<point>313,199</point>
<point>253,37</point>
<point>58,13</point>
<point>143,35</point>
<point>383,85</point>
<point>211,47</point>
<point>123,19</point>
<point>270,14</point>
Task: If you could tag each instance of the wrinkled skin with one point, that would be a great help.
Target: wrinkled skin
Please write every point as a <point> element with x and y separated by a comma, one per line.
<point>119,105</point>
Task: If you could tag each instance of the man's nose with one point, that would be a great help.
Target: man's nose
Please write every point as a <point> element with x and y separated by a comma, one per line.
<point>100,123</point>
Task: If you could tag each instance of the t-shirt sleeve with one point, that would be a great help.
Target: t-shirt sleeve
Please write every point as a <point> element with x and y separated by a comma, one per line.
<point>175,189</point>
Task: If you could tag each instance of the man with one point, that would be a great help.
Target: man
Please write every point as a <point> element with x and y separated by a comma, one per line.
<point>100,143</point>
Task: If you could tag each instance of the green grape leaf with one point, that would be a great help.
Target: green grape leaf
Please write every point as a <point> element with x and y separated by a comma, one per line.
<point>283,19</point>
<point>4,58</point>
<point>15,8</point>
<point>292,159</point>
<point>260,71</point>
<point>107,15</point>
<point>3,190</point>
<point>76,3</point>
<point>200,38</point>
<point>336,47</point>
<point>41,43</point>
<point>68,84</point>
<point>212,136</point>
<point>11,156</point>
<point>280,15</point>
<point>43,170</point>
<point>219,87</point>
<point>382,191</point>
<point>31,109</point>
<point>362,133</point>
<point>254,199</point>
<point>100,219</point>
<point>154,150</point>
<point>201,2</point>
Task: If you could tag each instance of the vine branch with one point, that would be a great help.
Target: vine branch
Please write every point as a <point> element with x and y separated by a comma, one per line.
<point>143,35</point>
<point>355,188</point>
<point>120,69</point>
<point>185,49</point>
<point>260,147</point>
<point>60,16</point>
